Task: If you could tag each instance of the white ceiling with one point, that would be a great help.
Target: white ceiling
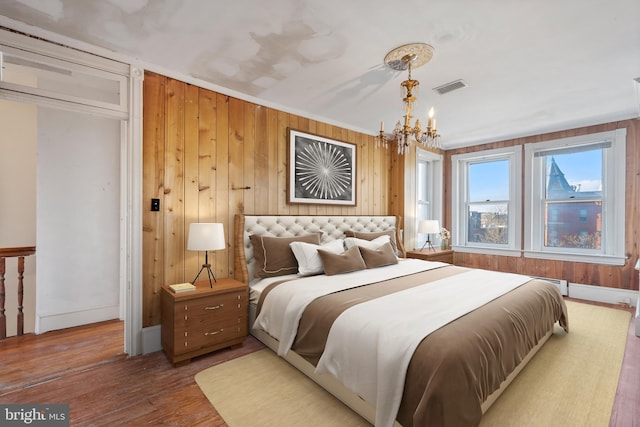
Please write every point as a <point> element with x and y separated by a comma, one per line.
<point>532,66</point>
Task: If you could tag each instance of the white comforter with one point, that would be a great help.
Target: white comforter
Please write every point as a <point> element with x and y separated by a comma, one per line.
<point>398,322</point>
<point>282,308</point>
<point>371,344</point>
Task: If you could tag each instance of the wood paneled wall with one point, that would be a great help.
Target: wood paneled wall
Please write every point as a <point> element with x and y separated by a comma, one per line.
<point>208,156</point>
<point>624,277</point>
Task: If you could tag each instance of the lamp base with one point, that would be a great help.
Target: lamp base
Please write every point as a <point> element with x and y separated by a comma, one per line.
<point>209,273</point>
<point>428,242</point>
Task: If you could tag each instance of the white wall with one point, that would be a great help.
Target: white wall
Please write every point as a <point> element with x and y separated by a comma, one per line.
<point>18,135</point>
<point>78,211</point>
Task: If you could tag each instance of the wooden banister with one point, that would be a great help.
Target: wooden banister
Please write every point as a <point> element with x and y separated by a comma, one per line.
<point>20,253</point>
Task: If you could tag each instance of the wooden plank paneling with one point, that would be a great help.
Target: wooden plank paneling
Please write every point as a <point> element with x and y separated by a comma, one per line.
<point>274,166</point>
<point>236,172</point>
<point>192,259</point>
<point>153,187</point>
<point>220,260</point>
<point>261,162</point>
<point>281,161</point>
<point>206,177</point>
<point>174,184</point>
<point>199,146</point>
<point>249,160</point>
<point>207,113</point>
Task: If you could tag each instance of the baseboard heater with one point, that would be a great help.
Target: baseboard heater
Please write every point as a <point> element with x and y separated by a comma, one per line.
<point>561,284</point>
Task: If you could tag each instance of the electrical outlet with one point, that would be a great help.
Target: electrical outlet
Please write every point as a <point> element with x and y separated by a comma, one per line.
<point>155,205</point>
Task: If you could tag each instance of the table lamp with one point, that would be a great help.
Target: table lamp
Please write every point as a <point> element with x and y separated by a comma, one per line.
<point>428,227</point>
<point>206,236</point>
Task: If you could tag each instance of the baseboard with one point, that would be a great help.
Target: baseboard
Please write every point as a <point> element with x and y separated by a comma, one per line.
<point>151,339</point>
<point>52,322</point>
<point>603,294</point>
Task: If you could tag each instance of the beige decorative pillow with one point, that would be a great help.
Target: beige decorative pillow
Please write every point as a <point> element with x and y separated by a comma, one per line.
<point>273,255</point>
<point>309,262</point>
<point>372,235</point>
<point>369,244</point>
<point>380,257</point>
<point>346,262</point>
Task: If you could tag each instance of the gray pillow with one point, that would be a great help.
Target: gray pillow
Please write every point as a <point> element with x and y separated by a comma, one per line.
<point>274,256</point>
<point>346,262</point>
<point>380,257</point>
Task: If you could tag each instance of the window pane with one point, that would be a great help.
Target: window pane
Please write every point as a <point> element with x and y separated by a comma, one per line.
<point>423,211</point>
<point>488,223</point>
<point>422,181</point>
<point>575,225</point>
<point>574,175</point>
<point>62,81</point>
<point>489,181</point>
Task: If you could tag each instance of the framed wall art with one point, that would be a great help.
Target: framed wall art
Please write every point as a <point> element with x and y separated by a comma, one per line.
<point>321,170</point>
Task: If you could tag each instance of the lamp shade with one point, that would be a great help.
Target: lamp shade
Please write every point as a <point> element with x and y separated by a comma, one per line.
<point>206,236</point>
<point>428,226</point>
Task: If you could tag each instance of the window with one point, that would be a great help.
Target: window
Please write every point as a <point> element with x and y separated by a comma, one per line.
<point>488,205</point>
<point>95,85</point>
<point>575,198</point>
<point>485,203</point>
<point>428,190</point>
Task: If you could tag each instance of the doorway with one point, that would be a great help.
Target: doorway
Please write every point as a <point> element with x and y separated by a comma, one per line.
<point>86,156</point>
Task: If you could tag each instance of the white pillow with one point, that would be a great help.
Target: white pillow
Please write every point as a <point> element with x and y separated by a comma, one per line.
<point>369,244</point>
<point>309,261</point>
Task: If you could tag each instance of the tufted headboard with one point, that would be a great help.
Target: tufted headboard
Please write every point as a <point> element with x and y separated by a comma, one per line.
<point>333,227</point>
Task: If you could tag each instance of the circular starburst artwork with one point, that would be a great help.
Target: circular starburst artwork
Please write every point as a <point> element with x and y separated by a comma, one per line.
<point>323,171</point>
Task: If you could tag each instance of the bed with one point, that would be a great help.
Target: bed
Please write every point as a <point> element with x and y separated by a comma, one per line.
<point>425,356</point>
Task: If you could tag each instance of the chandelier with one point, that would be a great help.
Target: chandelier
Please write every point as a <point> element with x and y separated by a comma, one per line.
<point>405,58</point>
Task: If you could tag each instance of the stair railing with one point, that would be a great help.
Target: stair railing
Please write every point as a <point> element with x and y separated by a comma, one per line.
<point>20,253</point>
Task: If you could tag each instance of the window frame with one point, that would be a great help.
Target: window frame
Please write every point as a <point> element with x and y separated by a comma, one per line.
<point>434,164</point>
<point>459,200</point>
<point>612,250</point>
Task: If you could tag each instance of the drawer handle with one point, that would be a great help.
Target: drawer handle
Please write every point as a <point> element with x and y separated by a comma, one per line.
<point>215,307</point>
<point>213,333</point>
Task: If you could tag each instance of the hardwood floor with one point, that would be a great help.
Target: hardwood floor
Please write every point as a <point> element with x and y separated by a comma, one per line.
<point>85,367</point>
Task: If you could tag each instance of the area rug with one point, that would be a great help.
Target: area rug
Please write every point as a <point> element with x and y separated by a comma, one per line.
<point>570,382</point>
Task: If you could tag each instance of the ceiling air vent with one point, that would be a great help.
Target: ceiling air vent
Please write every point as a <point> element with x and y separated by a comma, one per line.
<point>449,87</point>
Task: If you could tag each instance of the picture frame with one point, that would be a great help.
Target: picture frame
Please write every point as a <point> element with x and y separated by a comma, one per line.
<point>321,170</point>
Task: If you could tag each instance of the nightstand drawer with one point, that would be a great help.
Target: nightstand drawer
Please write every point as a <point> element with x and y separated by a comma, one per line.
<point>202,336</point>
<point>210,310</point>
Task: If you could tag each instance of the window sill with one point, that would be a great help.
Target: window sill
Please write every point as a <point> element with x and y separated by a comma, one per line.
<point>591,259</point>
<point>488,251</point>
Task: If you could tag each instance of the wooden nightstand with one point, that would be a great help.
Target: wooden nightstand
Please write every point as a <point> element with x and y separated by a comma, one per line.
<point>445,255</point>
<point>204,320</point>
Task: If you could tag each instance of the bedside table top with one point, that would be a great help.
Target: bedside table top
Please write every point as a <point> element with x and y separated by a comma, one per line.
<point>437,251</point>
<point>220,286</point>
